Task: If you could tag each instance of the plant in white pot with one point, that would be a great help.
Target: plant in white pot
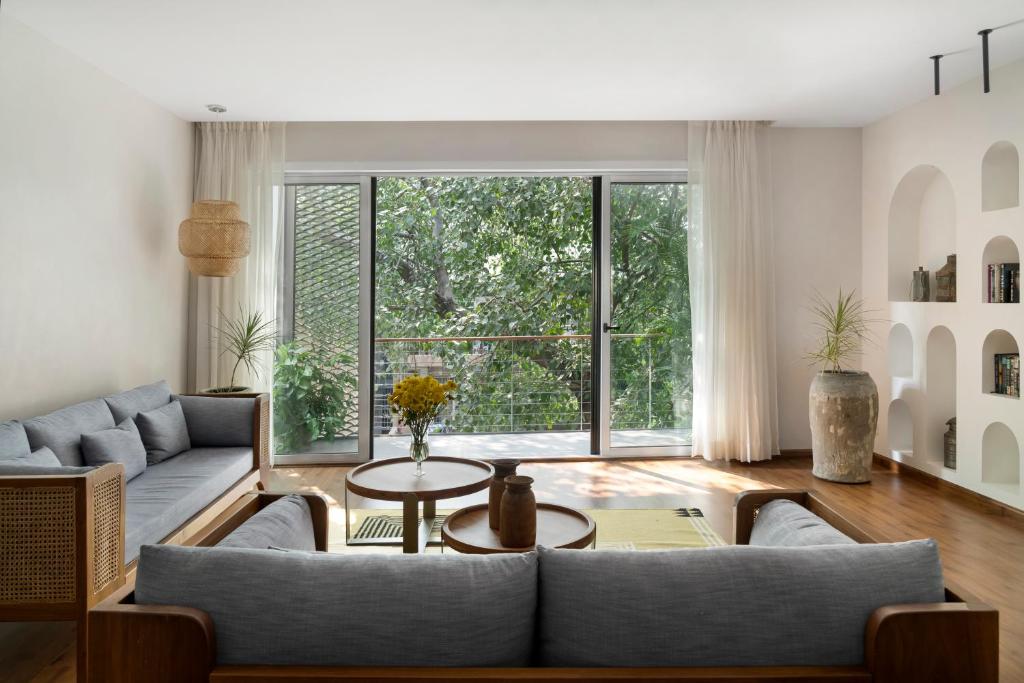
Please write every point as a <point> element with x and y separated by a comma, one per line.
<point>244,338</point>
<point>843,402</point>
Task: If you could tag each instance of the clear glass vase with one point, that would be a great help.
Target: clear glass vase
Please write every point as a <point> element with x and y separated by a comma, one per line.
<point>419,450</point>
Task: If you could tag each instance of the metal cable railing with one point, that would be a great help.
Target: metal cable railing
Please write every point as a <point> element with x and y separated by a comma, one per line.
<point>525,383</point>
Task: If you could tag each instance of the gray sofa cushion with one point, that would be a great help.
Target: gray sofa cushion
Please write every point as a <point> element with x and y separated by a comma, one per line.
<point>727,606</point>
<point>215,421</point>
<point>17,468</point>
<point>13,440</point>
<point>62,429</point>
<point>134,401</point>
<point>42,457</point>
<point>121,444</point>
<point>785,523</point>
<point>322,609</point>
<point>284,524</point>
<point>163,431</point>
<point>167,494</point>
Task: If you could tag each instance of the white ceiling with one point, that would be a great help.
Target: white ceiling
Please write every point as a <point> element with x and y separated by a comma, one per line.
<point>799,62</point>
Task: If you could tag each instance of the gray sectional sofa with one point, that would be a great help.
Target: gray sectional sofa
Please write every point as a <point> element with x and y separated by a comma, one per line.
<point>94,481</point>
<point>798,600</point>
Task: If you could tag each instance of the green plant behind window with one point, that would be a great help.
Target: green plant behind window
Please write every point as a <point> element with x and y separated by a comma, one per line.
<point>245,337</point>
<point>310,396</point>
<point>842,328</point>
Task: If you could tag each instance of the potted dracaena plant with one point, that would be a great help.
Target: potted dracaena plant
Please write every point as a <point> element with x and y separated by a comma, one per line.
<point>843,402</point>
<point>244,338</point>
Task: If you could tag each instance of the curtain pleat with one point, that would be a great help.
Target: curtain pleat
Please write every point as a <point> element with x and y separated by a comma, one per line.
<point>732,283</point>
<point>242,162</point>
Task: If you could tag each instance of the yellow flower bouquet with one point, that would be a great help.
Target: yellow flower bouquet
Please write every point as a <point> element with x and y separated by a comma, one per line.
<point>417,401</point>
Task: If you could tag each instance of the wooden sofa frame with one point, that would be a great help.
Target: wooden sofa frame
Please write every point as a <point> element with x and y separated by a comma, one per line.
<point>64,537</point>
<point>950,641</point>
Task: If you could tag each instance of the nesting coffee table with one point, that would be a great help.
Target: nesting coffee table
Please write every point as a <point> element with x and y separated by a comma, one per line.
<point>469,531</point>
<point>394,479</point>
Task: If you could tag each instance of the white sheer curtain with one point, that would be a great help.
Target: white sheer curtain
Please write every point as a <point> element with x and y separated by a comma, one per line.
<point>242,162</point>
<point>735,411</point>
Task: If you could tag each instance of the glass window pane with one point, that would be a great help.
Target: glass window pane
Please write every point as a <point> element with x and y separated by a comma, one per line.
<point>487,281</point>
<point>651,375</point>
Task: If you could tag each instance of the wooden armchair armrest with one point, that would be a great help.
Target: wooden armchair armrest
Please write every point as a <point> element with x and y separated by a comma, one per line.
<point>747,503</point>
<point>934,643</point>
<point>157,644</point>
<point>251,503</point>
<point>319,510</point>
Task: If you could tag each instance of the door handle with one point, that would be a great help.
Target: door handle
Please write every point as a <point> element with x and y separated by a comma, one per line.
<point>608,328</point>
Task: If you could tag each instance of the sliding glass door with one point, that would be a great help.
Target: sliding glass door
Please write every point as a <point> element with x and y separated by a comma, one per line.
<point>559,304</point>
<point>647,376</point>
<point>486,280</point>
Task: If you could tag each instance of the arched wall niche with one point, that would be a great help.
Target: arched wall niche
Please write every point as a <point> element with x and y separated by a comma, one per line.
<point>901,351</point>
<point>922,228</point>
<point>940,388</point>
<point>1000,455</point>
<point>901,428</point>
<point>1000,177</point>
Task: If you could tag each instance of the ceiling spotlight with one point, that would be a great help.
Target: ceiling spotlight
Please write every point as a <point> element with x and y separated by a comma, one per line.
<point>217,108</point>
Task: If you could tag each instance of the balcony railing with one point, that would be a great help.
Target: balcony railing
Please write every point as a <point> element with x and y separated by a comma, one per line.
<point>528,383</point>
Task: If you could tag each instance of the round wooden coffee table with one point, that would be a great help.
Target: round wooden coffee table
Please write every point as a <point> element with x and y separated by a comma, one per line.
<point>468,530</point>
<point>394,479</point>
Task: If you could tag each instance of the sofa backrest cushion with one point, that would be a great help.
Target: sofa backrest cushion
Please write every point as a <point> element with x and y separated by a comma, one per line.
<point>284,524</point>
<point>13,440</point>
<point>164,432</point>
<point>18,468</point>
<point>214,421</point>
<point>43,457</point>
<point>725,606</point>
<point>134,401</point>
<point>121,444</point>
<point>323,609</point>
<point>785,523</point>
<point>61,431</point>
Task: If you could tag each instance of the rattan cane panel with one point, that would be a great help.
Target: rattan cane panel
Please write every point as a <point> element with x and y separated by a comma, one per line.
<point>264,454</point>
<point>37,544</point>
<point>106,549</point>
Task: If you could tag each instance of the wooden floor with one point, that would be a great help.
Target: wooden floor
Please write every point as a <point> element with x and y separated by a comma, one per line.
<point>982,549</point>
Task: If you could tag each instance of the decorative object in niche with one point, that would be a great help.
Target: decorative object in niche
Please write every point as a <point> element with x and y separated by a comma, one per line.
<point>214,238</point>
<point>949,444</point>
<point>920,289</point>
<point>1007,374</point>
<point>945,280</point>
<point>1003,283</point>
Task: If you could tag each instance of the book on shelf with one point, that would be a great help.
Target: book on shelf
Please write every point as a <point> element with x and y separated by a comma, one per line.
<point>1007,374</point>
<point>1004,283</point>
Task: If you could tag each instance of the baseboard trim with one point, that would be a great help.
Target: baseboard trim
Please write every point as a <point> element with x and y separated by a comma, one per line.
<point>990,505</point>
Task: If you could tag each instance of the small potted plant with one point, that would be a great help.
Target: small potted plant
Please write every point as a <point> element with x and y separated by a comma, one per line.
<point>418,400</point>
<point>244,338</point>
<point>843,402</point>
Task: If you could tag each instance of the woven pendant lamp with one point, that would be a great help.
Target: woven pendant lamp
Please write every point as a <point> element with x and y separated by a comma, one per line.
<point>214,238</point>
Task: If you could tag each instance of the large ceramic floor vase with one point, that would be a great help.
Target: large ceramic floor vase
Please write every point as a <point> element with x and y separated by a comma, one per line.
<point>844,416</point>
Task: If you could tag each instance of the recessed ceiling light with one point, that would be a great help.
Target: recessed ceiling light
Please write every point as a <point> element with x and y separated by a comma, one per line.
<point>217,108</point>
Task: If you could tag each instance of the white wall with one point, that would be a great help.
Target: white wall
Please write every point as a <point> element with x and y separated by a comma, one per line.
<point>816,175</point>
<point>492,145</point>
<point>93,182</point>
<point>817,178</point>
<point>952,133</point>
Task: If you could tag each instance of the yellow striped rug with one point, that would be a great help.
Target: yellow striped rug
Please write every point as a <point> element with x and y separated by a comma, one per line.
<point>649,529</point>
